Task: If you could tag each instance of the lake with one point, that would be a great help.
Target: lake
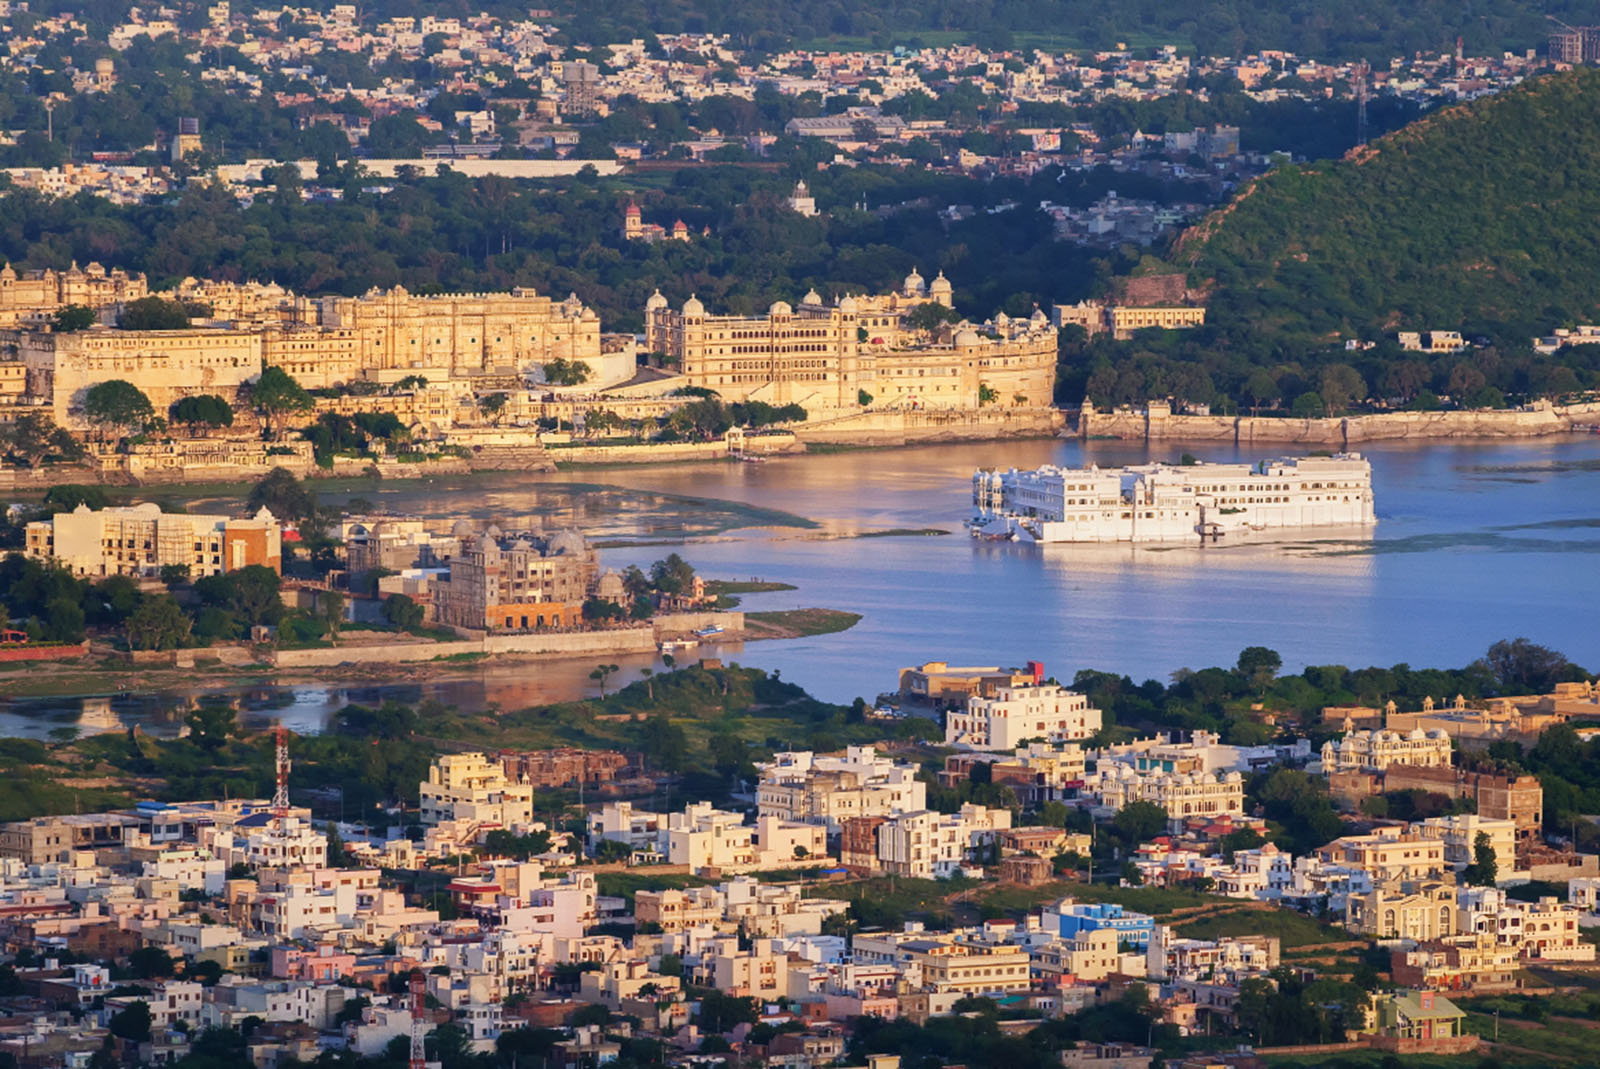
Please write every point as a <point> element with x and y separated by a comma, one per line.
<point>1475,542</point>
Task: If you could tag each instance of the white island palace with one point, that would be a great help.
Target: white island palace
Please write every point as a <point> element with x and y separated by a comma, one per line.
<point>1172,503</point>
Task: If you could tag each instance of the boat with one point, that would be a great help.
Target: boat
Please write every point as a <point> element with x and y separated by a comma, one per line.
<point>748,458</point>
<point>670,644</point>
<point>707,632</point>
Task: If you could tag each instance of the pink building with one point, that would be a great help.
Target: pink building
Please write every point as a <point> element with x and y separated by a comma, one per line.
<point>324,962</point>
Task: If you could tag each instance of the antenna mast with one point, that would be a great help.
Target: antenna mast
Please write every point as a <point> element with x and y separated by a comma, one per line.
<point>1359,73</point>
<point>280,796</point>
<point>419,1057</point>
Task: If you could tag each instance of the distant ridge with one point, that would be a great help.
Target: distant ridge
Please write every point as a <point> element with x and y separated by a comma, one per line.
<point>1483,218</point>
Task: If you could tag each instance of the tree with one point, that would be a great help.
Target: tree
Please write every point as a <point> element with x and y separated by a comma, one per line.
<point>1307,406</point>
<point>330,610</point>
<point>1484,868</point>
<point>602,673</point>
<point>68,496</point>
<point>151,963</point>
<point>117,404</point>
<point>1259,665</point>
<point>276,395</point>
<point>1341,384</point>
<point>34,436</point>
<point>1260,387</point>
<point>71,318</point>
<point>201,411</point>
<point>174,575</point>
<point>402,612</point>
<point>211,722</point>
<point>253,594</point>
<point>153,313</point>
<point>931,316</point>
<point>492,405</point>
<point>281,494</point>
<point>1139,822</point>
<point>863,398</point>
<point>1521,666</point>
<point>158,624</point>
<point>133,1023</point>
<point>564,372</point>
<point>673,576</point>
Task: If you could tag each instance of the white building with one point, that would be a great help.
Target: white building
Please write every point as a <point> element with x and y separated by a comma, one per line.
<point>934,845</point>
<point>474,789</point>
<point>1016,715</point>
<point>1374,751</point>
<point>829,789</point>
<point>1181,794</point>
<point>1168,503</point>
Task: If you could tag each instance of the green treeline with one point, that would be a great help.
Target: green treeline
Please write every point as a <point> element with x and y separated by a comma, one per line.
<point>451,234</point>
<point>1214,27</point>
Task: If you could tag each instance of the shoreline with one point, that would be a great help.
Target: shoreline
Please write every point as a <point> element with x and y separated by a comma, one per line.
<point>107,675</point>
<point>1129,425</point>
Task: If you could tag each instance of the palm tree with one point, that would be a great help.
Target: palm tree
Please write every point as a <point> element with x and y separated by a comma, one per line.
<point>601,674</point>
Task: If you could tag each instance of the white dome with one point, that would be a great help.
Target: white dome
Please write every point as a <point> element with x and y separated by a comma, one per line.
<point>780,308</point>
<point>655,301</point>
<point>848,306</point>
<point>693,307</point>
<point>940,284</point>
<point>811,297</point>
<point>914,282</point>
<point>568,541</point>
<point>967,339</point>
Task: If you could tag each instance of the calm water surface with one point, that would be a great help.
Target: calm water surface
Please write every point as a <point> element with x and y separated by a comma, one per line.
<point>1474,543</point>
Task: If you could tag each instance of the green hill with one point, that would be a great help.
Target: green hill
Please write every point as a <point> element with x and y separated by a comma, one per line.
<point>1483,218</point>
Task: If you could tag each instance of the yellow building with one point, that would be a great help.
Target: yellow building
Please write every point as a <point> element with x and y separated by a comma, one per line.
<point>1388,854</point>
<point>164,364</point>
<point>1422,910</point>
<point>471,787</point>
<point>825,357</point>
<point>36,295</point>
<point>457,335</point>
<point>968,969</point>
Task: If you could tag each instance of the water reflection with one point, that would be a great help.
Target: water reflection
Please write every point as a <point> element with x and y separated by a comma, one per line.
<point>1460,558</point>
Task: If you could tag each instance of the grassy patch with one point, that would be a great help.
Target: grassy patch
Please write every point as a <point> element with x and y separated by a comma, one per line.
<point>745,586</point>
<point>627,884</point>
<point>803,623</point>
<point>1292,929</point>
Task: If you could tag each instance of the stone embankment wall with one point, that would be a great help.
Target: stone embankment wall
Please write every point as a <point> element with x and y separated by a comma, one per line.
<point>657,453</point>
<point>557,644</point>
<point>1532,422</point>
<point>906,428</point>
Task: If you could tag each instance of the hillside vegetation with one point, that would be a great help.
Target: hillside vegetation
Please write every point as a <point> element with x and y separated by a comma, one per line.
<point>1311,27</point>
<point>1483,218</point>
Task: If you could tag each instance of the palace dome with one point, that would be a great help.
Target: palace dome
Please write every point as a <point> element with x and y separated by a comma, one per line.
<point>693,307</point>
<point>655,301</point>
<point>780,308</point>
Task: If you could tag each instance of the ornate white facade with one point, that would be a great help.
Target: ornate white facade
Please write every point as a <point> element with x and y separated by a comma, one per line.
<point>1375,751</point>
<point>1168,503</point>
<point>1181,794</point>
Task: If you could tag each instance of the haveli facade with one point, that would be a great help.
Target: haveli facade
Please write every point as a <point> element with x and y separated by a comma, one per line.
<point>383,336</point>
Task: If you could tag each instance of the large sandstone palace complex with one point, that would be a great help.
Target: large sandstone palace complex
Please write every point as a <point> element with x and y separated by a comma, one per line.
<point>903,350</point>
